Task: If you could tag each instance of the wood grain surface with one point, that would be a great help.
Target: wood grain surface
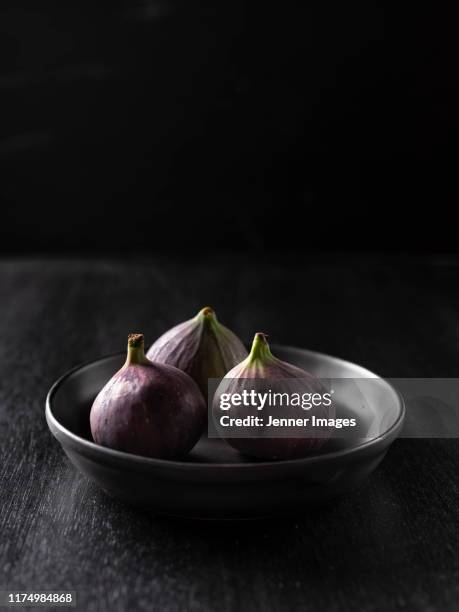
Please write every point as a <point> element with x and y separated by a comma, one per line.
<point>391,545</point>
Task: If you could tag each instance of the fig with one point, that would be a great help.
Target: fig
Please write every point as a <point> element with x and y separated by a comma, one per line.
<point>202,347</point>
<point>266,372</point>
<point>147,408</point>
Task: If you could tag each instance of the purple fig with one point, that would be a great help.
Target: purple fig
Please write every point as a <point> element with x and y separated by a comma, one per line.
<point>202,347</point>
<point>267,372</point>
<point>148,408</point>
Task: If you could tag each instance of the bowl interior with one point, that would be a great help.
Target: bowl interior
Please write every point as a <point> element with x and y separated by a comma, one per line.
<point>373,401</point>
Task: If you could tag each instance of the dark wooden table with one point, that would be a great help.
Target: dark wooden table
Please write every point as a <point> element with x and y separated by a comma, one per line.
<point>391,545</point>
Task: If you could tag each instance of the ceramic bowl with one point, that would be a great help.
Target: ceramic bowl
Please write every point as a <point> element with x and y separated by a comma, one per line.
<point>215,481</point>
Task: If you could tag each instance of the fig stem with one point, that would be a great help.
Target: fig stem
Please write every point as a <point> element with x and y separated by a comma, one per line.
<point>260,350</point>
<point>207,312</point>
<point>206,316</point>
<point>136,350</point>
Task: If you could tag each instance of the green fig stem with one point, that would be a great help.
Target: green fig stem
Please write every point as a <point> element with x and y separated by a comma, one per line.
<point>207,316</point>
<point>207,312</point>
<point>136,350</point>
<point>260,350</point>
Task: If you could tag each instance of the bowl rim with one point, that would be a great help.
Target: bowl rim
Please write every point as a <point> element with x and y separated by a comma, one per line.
<point>103,452</point>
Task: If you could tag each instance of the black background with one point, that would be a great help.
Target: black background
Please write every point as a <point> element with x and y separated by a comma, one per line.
<point>171,126</point>
<point>175,130</point>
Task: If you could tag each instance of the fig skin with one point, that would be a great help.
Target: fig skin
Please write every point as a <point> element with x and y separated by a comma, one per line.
<point>261,364</point>
<point>202,347</point>
<point>148,409</point>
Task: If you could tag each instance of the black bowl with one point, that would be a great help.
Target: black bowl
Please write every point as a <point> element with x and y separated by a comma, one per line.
<point>215,481</point>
